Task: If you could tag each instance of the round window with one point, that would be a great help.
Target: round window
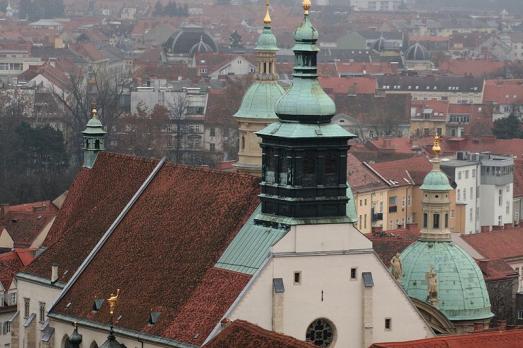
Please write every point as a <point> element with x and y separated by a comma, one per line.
<point>321,333</point>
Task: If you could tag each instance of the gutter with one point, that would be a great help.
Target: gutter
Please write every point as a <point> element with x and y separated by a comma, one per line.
<point>138,335</point>
<point>107,234</point>
<point>39,280</point>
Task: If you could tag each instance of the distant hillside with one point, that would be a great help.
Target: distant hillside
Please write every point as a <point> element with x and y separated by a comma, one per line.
<point>513,6</point>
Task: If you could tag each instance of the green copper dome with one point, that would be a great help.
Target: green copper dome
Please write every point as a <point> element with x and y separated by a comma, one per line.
<point>461,290</point>
<point>94,127</point>
<point>305,101</point>
<point>267,40</point>
<point>436,180</point>
<point>259,100</point>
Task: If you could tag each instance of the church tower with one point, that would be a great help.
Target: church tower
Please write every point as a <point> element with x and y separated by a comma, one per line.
<point>304,156</point>
<point>94,135</point>
<point>438,273</point>
<point>257,108</point>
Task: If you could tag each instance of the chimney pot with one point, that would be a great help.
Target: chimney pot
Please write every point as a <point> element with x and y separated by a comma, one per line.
<point>54,273</point>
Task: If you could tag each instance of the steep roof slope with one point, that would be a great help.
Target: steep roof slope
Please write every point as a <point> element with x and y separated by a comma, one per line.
<point>95,199</point>
<point>162,255</point>
<point>503,244</point>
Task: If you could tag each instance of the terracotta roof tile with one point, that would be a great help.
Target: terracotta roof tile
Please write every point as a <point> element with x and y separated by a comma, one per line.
<point>95,199</point>
<point>387,244</point>
<point>503,91</point>
<point>496,269</point>
<point>242,334</point>
<point>503,244</point>
<point>360,177</point>
<point>409,171</point>
<point>348,85</point>
<point>10,264</point>
<point>162,254</point>
<point>474,67</point>
<point>489,339</point>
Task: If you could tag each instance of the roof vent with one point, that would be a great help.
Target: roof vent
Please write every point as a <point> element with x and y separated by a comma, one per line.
<point>153,318</point>
<point>277,285</point>
<point>97,304</point>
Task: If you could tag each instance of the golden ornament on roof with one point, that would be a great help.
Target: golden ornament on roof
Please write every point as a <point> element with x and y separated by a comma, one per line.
<point>113,301</point>
<point>94,112</point>
<point>436,147</point>
<point>267,19</point>
<point>307,6</point>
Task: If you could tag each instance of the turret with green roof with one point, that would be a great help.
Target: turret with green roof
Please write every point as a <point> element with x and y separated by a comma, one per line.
<point>435,270</point>
<point>94,135</point>
<point>257,107</point>
<point>304,160</point>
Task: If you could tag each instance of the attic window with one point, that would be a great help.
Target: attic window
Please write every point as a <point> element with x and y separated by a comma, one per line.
<point>153,318</point>
<point>97,304</point>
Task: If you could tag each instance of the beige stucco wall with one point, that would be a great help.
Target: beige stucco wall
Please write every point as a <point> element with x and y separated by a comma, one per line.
<point>326,289</point>
<point>36,293</point>
<point>5,240</point>
<point>365,201</point>
<point>37,243</point>
<point>250,154</point>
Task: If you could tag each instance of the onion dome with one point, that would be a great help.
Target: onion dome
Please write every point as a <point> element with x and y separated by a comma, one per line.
<point>267,41</point>
<point>76,339</point>
<point>417,52</point>
<point>94,125</point>
<point>306,101</point>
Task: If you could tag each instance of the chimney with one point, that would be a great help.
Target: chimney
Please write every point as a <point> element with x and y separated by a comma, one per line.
<point>54,273</point>
<point>508,226</point>
<point>485,228</point>
<point>502,325</point>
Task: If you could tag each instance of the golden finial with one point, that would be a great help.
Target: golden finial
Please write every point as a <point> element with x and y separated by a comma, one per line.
<point>94,112</point>
<point>436,148</point>
<point>113,300</point>
<point>306,6</point>
<point>267,19</point>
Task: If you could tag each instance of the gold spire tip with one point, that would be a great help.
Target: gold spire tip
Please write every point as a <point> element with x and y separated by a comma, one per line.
<point>436,147</point>
<point>306,6</point>
<point>267,19</point>
<point>94,112</point>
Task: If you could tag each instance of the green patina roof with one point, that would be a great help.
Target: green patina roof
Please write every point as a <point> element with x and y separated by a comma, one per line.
<point>94,127</point>
<point>250,247</point>
<point>299,130</point>
<point>436,180</point>
<point>306,32</point>
<point>260,99</point>
<point>267,41</point>
<point>462,292</point>
<point>306,97</point>
<point>351,206</point>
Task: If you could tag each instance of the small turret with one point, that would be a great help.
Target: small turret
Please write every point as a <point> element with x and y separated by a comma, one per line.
<point>94,135</point>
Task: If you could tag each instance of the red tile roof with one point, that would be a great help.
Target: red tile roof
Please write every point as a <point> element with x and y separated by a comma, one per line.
<point>242,334</point>
<point>503,91</point>
<point>163,252</point>
<point>387,244</point>
<point>489,339</point>
<point>10,264</point>
<point>25,222</point>
<point>496,269</point>
<point>438,106</point>
<point>474,67</point>
<point>95,199</point>
<point>348,85</point>
<point>499,244</point>
<point>361,68</point>
<point>409,171</point>
<point>451,145</point>
<point>360,177</point>
<point>398,144</point>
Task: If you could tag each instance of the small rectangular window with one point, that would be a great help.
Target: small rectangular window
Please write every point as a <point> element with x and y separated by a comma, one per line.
<point>353,273</point>
<point>212,132</point>
<point>26,307</point>
<point>388,324</point>
<point>446,220</point>
<point>42,311</point>
<point>436,220</point>
<point>425,220</point>
<point>297,278</point>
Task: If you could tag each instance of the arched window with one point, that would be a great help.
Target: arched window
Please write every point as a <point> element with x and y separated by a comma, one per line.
<point>321,332</point>
<point>65,342</point>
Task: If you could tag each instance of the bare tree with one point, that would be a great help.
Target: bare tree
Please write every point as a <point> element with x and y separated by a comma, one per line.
<point>177,116</point>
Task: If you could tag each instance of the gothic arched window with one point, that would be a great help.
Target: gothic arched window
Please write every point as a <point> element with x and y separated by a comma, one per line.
<point>321,332</point>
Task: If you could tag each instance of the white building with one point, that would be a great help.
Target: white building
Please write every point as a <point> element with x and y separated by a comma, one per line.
<point>376,5</point>
<point>466,174</point>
